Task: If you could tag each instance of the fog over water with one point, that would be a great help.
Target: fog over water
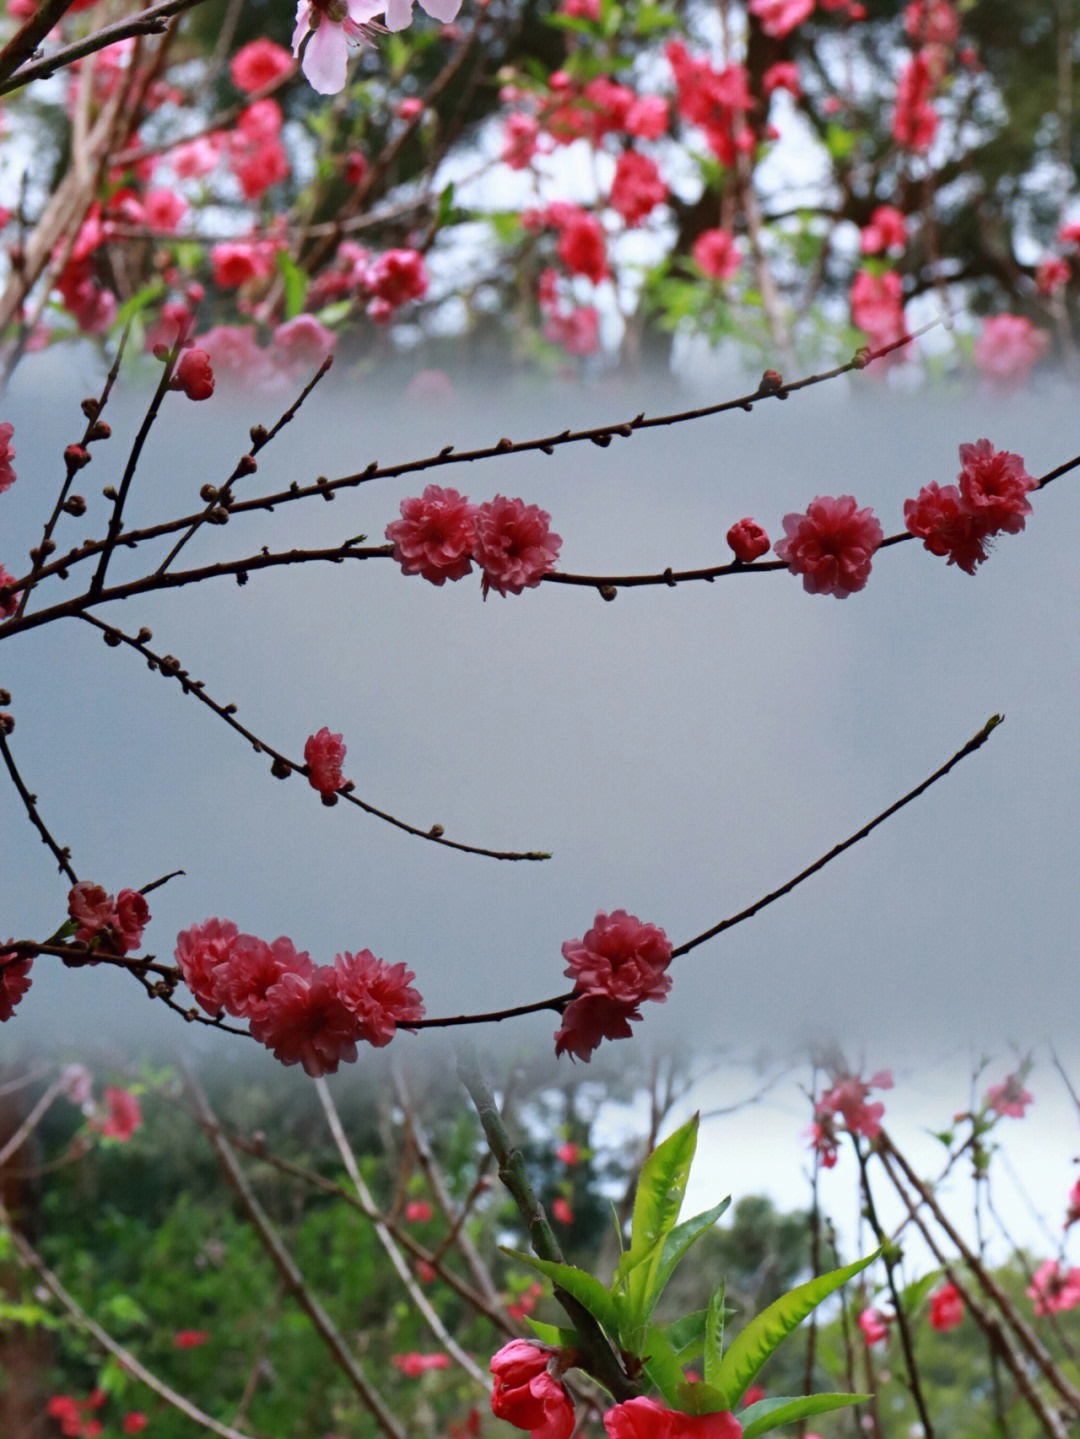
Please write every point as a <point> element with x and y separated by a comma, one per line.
<point>680,751</point>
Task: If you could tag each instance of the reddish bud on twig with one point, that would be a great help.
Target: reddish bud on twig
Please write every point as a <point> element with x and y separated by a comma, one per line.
<point>75,505</point>
<point>75,457</point>
<point>281,769</point>
<point>209,493</point>
<point>259,434</point>
<point>90,407</point>
<point>5,697</point>
<point>772,383</point>
<point>247,465</point>
<point>194,375</point>
<point>100,430</point>
<point>7,723</point>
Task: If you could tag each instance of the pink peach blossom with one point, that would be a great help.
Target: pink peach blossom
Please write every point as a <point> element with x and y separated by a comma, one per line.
<point>1054,1290</point>
<point>418,1211</point>
<point>323,33</point>
<point>1009,347</point>
<point>413,1365</point>
<point>258,64</point>
<point>324,754</point>
<point>399,12</point>
<point>637,187</point>
<point>14,981</point>
<point>514,545</point>
<point>1009,1098</point>
<point>620,958</point>
<point>779,17</point>
<point>194,375</point>
<point>645,1418</point>
<point>8,605</point>
<point>7,454</point>
<point>304,341</point>
<point>200,952</point>
<point>874,1326</point>
<point>164,209</point>
<point>251,968</point>
<point>716,254</point>
<point>435,535</point>
<point>831,545</point>
<point>303,1021</point>
<point>123,1116</point>
<point>994,486</point>
<point>1051,274</point>
<point>378,995</point>
<point>526,1392</point>
<point>748,540</point>
<point>582,246</point>
<point>946,1308</point>
<point>887,230</point>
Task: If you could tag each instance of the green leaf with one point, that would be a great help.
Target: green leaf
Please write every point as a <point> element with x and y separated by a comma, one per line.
<point>657,1203</point>
<point>295,282</point>
<point>585,1288</point>
<point>767,1331</point>
<point>916,1292</point>
<point>446,204</point>
<point>29,1315</point>
<point>139,301</point>
<point>769,1414</point>
<point>686,1335</point>
<point>662,1365</point>
<point>681,1238</point>
<point>552,1334</point>
<point>701,1399</point>
<point>714,1338</point>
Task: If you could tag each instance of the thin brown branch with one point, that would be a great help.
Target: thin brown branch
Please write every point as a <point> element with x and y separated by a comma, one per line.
<point>287,1267</point>
<point>152,21</point>
<point>62,855</point>
<point>282,767</point>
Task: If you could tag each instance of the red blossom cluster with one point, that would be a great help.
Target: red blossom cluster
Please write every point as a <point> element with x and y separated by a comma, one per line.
<point>106,923</point>
<point>990,498</point>
<point>440,533</point>
<point>122,1116</point>
<point>645,1418</point>
<point>14,977</point>
<point>528,1391</point>
<point>304,1013</point>
<point>619,964</point>
<point>525,1303</point>
<point>7,454</point>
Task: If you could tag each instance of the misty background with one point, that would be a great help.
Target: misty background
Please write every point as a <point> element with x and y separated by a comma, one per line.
<point>680,751</point>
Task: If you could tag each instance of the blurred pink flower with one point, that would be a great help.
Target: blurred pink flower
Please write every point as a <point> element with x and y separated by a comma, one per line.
<point>1008,348</point>
<point>418,1211</point>
<point>123,1115</point>
<point>7,454</point>
<point>779,17</point>
<point>413,1365</point>
<point>189,1338</point>
<point>258,64</point>
<point>570,1154</point>
<point>1053,1290</point>
<point>874,1326</point>
<point>946,1308</point>
<point>561,1210</point>
<point>716,254</point>
<point>1009,1098</point>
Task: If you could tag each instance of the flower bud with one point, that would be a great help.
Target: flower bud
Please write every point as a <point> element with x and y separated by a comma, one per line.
<point>748,540</point>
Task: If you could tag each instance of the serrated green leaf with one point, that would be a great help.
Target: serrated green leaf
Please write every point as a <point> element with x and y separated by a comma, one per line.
<point>714,1338</point>
<point>552,1334</point>
<point>657,1202</point>
<point>585,1288</point>
<point>662,1365</point>
<point>686,1335</point>
<point>767,1330</point>
<point>681,1238</point>
<point>769,1414</point>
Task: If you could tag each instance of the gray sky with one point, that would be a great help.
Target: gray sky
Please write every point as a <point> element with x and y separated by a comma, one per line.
<point>680,752</point>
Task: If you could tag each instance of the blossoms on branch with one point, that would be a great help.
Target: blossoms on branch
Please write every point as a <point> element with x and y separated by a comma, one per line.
<point>194,375</point>
<point>527,1391</point>
<point>620,963</point>
<point>1008,348</point>
<point>1054,1290</point>
<point>308,1014</point>
<point>122,1117</point>
<point>7,454</point>
<point>108,923</point>
<point>10,603</point>
<point>831,545</point>
<point>874,1326</point>
<point>957,521</point>
<point>748,540</point>
<point>716,254</point>
<point>258,64</point>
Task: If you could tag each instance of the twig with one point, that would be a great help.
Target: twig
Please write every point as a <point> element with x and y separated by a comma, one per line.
<point>30,1123</point>
<point>286,1266</point>
<point>170,668</point>
<point>146,22</point>
<point>597,1356</point>
<point>386,1239</point>
<point>976,742</point>
<point>63,855</point>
